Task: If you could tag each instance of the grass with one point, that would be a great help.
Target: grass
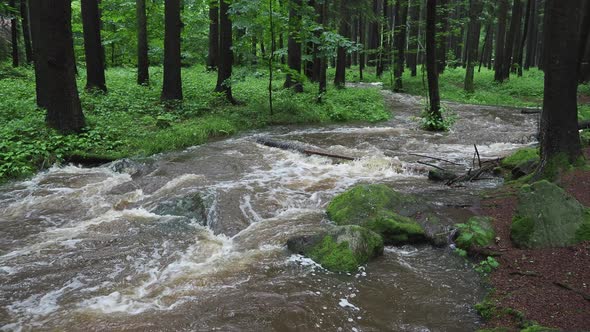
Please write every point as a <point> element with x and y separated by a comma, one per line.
<point>130,120</point>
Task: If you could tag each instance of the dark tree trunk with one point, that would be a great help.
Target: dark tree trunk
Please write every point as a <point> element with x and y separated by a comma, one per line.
<point>473,33</point>
<point>531,45</point>
<point>559,122</point>
<point>226,54</point>
<point>323,77</point>
<point>499,63</point>
<point>294,48</point>
<point>362,40</point>
<point>172,86</point>
<point>14,35</point>
<point>24,13</point>
<point>520,54</point>
<point>374,35</point>
<point>340,77</point>
<point>441,37</point>
<point>490,50</point>
<point>39,39</point>
<point>316,55</point>
<point>308,67</point>
<point>143,74</point>
<point>584,48</point>
<point>93,46</point>
<point>64,111</point>
<point>431,64</point>
<point>401,14</point>
<point>213,35</point>
<point>484,47</point>
<point>412,58</point>
<point>511,38</point>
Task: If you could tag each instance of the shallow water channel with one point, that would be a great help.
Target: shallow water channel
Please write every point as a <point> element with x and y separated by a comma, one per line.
<point>99,249</point>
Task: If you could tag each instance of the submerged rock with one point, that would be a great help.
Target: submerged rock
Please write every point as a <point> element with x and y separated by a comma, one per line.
<point>440,175</point>
<point>380,209</point>
<point>341,249</point>
<point>191,206</point>
<point>547,216</point>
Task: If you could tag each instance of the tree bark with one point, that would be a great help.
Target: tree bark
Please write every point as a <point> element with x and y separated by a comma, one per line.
<point>24,12</point>
<point>93,50</point>
<point>213,35</point>
<point>14,35</point>
<point>513,32</point>
<point>172,85</point>
<point>441,37</point>
<point>294,48</point>
<point>473,33</point>
<point>500,41</point>
<point>64,111</point>
<point>226,55</point>
<point>431,64</point>
<point>559,122</point>
<point>531,44</point>
<point>374,36</point>
<point>414,36</point>
<point>340,77</point>
<point>401,14</point>
<point>323,77</point>
<point>520,54</point>
<point>143,73</point>
<point>362,40</point>
<point>584,48</point>
<point>39,40</point>
<point>486,40</point>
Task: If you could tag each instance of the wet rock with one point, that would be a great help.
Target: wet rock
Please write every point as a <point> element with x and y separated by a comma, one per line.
<point>524,169</point>
<point>380,209</point>
<point>440,175</point>
<point>191,207</point>
<point>547,216</point>
<point>125,166</point>
<point>341,249</point>
<point>436,229</point>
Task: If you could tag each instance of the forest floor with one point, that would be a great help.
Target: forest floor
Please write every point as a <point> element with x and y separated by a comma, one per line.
<point>550,287</point>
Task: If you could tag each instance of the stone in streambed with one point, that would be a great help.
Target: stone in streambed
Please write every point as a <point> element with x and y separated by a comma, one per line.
<point>440,175</point>
<point>191,206</point>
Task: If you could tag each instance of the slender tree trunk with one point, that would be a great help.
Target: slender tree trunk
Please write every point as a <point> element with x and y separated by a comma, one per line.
<point>486,40</point>
<point>316,55</point>
<point>523,40</point>
<point>340,77</point>
<point>143,74</point>
<point>414,22</point>
<point>531,44</point>
<point>441,46</point>
<point>24,13</point>
<point>93,50</point>
<point>511,38</point>
<point>584,48</point>
<point>294,48</point>
<point>64,111</point>
<point>323,77</point>
<point>14,34</point>
<point>559,122</point>
<point>473,42</point>
<point>490,50</point>
<point>39,39</point>
<point>431,64</point>
<point>401,14</point>
<point>362,40</point>
<point>499,63</point>
<point>213,35</point>
<point>226,55</point>
<point>172,86</point>
<point>374,35</point>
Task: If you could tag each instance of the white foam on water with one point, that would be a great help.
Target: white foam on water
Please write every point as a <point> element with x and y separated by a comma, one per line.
<point>345,304</point>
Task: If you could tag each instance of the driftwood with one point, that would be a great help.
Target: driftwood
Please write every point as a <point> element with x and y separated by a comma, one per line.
<point>434,158</point>
<point>291,146</point>
<point>530,111</point>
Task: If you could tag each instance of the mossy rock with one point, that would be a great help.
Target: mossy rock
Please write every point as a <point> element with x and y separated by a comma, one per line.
<point>191,206</point>
<point>547,216</point>
<point>476,232</point>
<point>341,249</point>
<point>380,209</point>
<point>520,157</point>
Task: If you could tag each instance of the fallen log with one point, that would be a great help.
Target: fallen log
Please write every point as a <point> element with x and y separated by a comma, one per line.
<point>292,146</point>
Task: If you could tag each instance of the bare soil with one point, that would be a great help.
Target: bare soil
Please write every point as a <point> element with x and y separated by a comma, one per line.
<point>548,286</point>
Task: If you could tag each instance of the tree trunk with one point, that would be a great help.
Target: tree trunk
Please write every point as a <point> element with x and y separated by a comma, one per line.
<point>93,46</point>
<point>500,41</point>
<point>473,33</point>
<point>14,35</point>
<point>414,37</point>
<point>523,40</point>
<point>431,64</point>
<point>401,14</point>
<point>374,36</point>
<point>340,77</point>
<point>531,44</point>
<point>213,35</point>
<point>559,122</point>
<point>172,86</point>
<point>39,40</point>
<point>441,37</point>
<point>24,12</point>
<point>323,79</point>
<point>362,40</point>
<point>226,55</point>
<point>511,38</point>
<point>64,111</point>
<point>294,48</point>
<point>484,47</point>
<point>584,48</point>
<point>143,74</point>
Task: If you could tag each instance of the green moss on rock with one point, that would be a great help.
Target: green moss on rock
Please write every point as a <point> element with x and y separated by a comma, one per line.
<point>521,156</point>
<point>547,217</point>
<point>380,209</point>
<point>478,231</point>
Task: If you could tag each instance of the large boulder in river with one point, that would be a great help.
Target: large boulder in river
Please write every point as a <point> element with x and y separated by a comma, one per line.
<point>191,206</point>
<point>380,209</point>
<point>547,216</point>
<point>341,249</point>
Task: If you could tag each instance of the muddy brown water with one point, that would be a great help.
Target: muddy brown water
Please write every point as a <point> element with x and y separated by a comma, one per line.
<point>83,249</point>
